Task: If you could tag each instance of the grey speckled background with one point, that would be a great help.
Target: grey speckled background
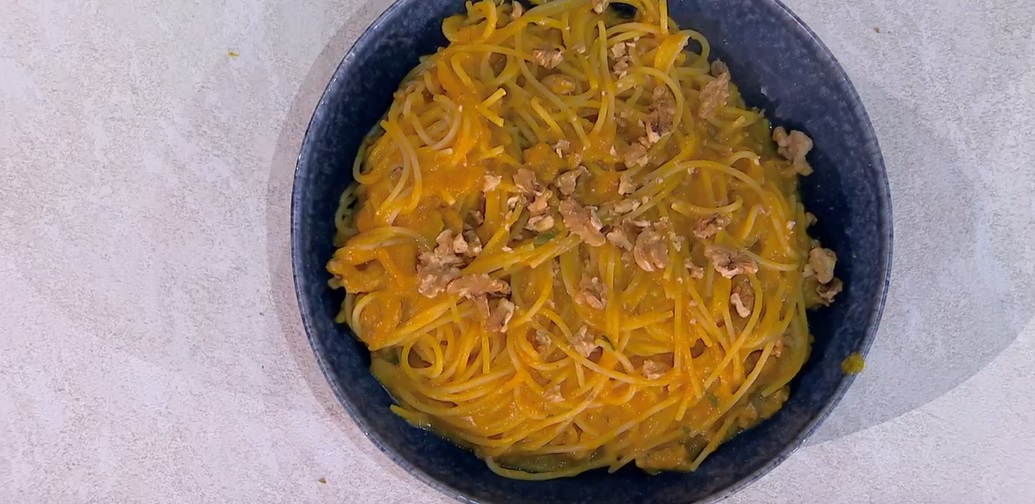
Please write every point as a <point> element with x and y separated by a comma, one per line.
<point>150,346</point>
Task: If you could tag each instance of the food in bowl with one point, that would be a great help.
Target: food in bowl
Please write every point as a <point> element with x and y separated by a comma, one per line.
<point>570,245</point>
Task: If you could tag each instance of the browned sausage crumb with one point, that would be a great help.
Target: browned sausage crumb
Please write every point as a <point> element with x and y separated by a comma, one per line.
<point>582,222</point>
<point>794,146</point>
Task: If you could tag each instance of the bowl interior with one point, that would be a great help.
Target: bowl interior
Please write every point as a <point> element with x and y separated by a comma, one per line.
<point>780,67</point>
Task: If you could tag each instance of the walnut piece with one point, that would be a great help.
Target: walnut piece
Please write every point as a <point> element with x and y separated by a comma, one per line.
<point>540,223</point>
<point>591,293</point>
<point>652,369</point>
<point>619,50</point>
<point>619,239</point>
<point>599,5</point>
<point>743,298</point>
<point>568,180</point>
<point>542,340</point>
<point>626,186</point>
<point>559,84</point>
<point>650,251</point>
<point>821,263</point>
<point>696,272</point>
<point>471,286</point>
<point>500,316</point>
<point>714,95</point>
<point>547,58</point>
<point>525,181</point>
<point>810,219</point>
<point>794,146</point>
<point>491,182</point>
<point>516,10</point>
<point>584,342</point>
<point>583,222</point>
<point>660,114</point>
<point>711,225</point>
<point>437,268</point>
<point>626,205</point>
<point>634,155</point>
<point>827,291</point>
<point>730,263</point>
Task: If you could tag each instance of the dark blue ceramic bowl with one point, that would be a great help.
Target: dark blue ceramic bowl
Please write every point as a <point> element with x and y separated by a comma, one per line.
<point>779,66</point>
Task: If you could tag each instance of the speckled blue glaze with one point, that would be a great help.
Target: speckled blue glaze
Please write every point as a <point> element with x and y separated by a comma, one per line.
<point>779,66</point>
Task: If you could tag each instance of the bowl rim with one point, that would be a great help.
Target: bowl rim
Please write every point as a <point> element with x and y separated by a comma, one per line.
<point>885,233</point>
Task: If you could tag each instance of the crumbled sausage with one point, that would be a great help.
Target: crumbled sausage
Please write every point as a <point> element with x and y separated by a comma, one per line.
<point>652,369</point>
<point>650,251</point>
<point>516,9</point>
<point>584,342</point>
<point>634,155</point>
<point>591,293</point>
<point>500,316</point>
<point>730,263</point>
<point>567,181</point>
<point>626,186</point>
<point>714,95</point>
<point>491,182</point>
<point>583,222</point>
<point>794,146</point>
<point>696,272</point>
<point>559,84</point>
<point>525,181</point>
<point>743,298</point>
<point>828,290</point>
<point>540,223</point>
<point>599,5</point>
<point>710,225</point>
<point>821,263</point>
<point>547,58</point>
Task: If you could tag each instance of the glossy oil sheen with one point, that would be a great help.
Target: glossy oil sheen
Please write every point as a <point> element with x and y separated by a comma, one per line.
<point>779,66</point>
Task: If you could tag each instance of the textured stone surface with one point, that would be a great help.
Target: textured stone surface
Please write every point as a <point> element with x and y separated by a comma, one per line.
<point>151,348</point>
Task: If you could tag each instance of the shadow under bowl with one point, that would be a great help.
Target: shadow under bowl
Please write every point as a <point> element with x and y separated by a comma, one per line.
<point>779,66</point>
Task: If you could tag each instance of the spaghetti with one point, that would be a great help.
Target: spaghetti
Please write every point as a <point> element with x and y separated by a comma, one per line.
<point>569,244</point>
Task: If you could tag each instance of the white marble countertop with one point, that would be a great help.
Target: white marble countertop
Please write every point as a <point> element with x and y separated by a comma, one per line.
<point>150,343</point>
